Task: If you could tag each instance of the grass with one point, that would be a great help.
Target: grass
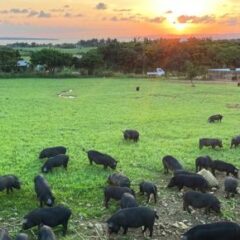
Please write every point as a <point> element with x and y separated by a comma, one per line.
<point>170,117</point>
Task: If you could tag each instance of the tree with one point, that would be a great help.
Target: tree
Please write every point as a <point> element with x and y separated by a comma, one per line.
<point>8,59</point>
<point>51,58</point>
<point>91,60</point>
<point>191,71</point>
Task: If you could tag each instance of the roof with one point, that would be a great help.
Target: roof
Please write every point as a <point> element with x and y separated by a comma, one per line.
<point>22,63</point>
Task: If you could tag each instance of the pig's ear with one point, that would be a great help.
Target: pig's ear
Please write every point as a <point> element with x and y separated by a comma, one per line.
<point>110,225</point>
<point>24,221</point>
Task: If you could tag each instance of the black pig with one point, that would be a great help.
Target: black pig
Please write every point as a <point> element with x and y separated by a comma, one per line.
<point>132,218</point>
<point>235,141</point>
<point>43,191</point>
<point>52,152</point>
<point>57,161</point>
<point>51,217</point>
<point>213,142</point>
<point>4,235</point>
<point>131,135</point>
<point>22,236</point>
<point>101,158</point>
<point>115,193</point>
<point>149,188</point>
<point>224,167</point>
<point>9,182</point>
<point>171,163</point>
<point>201,200</point>
<point>203,162</point>
<point>213,118</point>
<point>118,179</point>
<point>230,186</point>
<point>46,233</point>
<point>213,231</point>
<point>192,181</point>
<point>183,172</point>
<point>128,201</point>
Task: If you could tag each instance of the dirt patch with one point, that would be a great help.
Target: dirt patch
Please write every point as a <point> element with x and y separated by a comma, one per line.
<point>234,106</point>
<point>173,221</point>
<point>67,94</point>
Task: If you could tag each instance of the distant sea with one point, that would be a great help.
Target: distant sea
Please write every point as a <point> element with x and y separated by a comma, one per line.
<point>10,40</point>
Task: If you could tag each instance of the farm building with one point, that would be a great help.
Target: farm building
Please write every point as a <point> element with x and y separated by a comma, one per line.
<point>224,74</point>
<point>23,65</point>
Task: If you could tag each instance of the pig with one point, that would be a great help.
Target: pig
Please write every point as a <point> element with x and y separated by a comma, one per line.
<point>149,188</point>
<point>43,191</point>
<point>137,88</point>
<point>128,201</point>
<point>118,179</point>
<point>46,233</point>
<point>101,158</point>
<point>213,231</point>
<point>132,218</point>
<point>203,162</point>
<point>51,217</point>
<point>9,182</point>
<point>171,163</point>
<point>131,135</point>
<point>224,167</point>
<point>183,172</point>
<point>22,236</point>
<point>57,161</point>
<point>115,193</point>
<point>213,142</point>
<point>52,152</point>
<point>230,186</point>
<point>213,118</point>
<point>192,181</point>
<point>201,200</point>
<point>235,142</point>
<point>4,235</point>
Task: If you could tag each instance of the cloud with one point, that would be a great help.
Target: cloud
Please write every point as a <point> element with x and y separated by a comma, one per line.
<point>3,11</point>
<point>234,21</point>
<point>196,20</point>
<point>169,12</point>
<point>18,11</point>
<point>67,15</point>
<point>101,6</point>
<point>156,19</point>
<point>33,13</point>
<point>57,10</point>
<point>123,10</point>
<point>79,15</point>
<point>114,19</point>
<point>66,6</point>
<point>43,14</point>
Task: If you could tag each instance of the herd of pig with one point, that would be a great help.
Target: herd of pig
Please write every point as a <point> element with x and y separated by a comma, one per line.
<point>131,215</point>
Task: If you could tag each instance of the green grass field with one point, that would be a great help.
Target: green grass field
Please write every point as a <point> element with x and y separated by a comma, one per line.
<point>170,117</point>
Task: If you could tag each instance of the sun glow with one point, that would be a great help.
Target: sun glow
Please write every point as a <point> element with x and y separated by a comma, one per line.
<point>174,24</point>
<point>185,7</point>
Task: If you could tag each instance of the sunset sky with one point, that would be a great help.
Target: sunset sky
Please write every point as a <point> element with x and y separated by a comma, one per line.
<point>78,19</point>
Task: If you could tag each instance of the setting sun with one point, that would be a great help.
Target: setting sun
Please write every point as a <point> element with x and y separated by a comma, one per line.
<point>173,23</point>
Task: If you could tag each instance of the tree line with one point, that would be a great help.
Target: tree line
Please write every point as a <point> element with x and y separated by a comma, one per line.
<point>173,55</point>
